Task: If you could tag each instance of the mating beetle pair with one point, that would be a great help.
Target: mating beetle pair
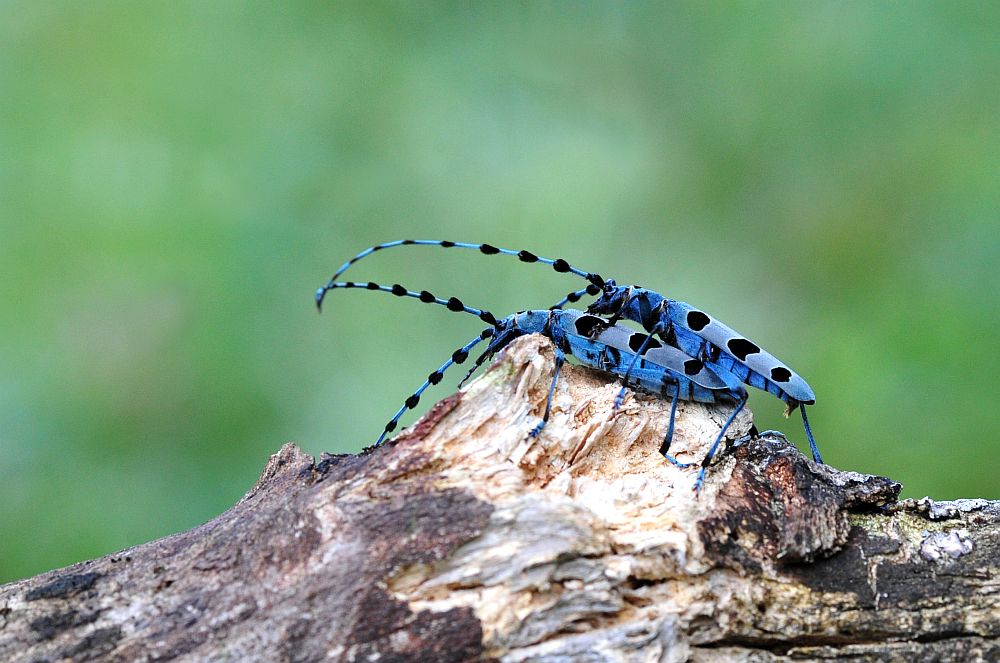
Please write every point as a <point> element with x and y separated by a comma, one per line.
<point>686,355</point>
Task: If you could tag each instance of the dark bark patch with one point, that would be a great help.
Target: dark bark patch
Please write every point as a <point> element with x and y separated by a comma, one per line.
<point>389,631</point>
<point>774,510</point>
<point>47,627</point>
<point>94,646</point>
<point>905,583</point>
<point>412,525</point>
<point>64,586</point>
<point>335,465</point>
<point>417,527</point>
<point>845,572</point>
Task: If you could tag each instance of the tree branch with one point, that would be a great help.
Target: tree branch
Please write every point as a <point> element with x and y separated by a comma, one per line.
<point>464,539</point>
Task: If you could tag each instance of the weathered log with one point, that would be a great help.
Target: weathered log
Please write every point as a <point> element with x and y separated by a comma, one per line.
<point>464,539</point>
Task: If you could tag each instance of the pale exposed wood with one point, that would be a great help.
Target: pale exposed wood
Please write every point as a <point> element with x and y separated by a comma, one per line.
<point>464,539</point>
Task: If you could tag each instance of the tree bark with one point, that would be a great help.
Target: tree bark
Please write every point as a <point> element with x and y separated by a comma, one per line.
<point>464,539</point>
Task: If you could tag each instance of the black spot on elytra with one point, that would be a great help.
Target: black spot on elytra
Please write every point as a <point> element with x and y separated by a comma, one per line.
<point>460,356</point>
<point>560,265</point>
<point>446,244</point>
<point>693,367</point>
<point>588,325</point>
<point>398,290</point>
<point>488,318</point>
<point>434,377</point>
<point>527,256</point>
<point>781,374</point>
<point>636,340</point>
<point>426,297</point>
<point>697,320</point>
<point>372,285</point>
<point>614,356</point>
<point>489,249</point>
<point>455,304</point>
<point>740,347</point>
<point>412,401</point>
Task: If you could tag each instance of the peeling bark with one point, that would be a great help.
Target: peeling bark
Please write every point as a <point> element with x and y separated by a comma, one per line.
<point>465,540</point>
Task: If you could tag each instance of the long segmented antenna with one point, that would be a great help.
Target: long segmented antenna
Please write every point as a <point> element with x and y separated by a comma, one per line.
<point>480,360</point>
<point>457,357</point>
<point>558,264</point>
<point>452,303</point>
<point>573,297</point>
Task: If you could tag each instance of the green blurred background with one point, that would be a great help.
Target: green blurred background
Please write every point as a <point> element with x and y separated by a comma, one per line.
<point>176,179</point>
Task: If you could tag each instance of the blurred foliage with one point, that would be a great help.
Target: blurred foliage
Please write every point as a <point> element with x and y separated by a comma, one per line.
<point>176,179</point>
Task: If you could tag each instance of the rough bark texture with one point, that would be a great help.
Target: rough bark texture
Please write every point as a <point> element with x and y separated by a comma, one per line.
<point>464,539</point>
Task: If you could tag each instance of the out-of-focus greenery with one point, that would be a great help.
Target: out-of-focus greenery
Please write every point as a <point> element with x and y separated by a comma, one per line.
<point>176,179</point>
